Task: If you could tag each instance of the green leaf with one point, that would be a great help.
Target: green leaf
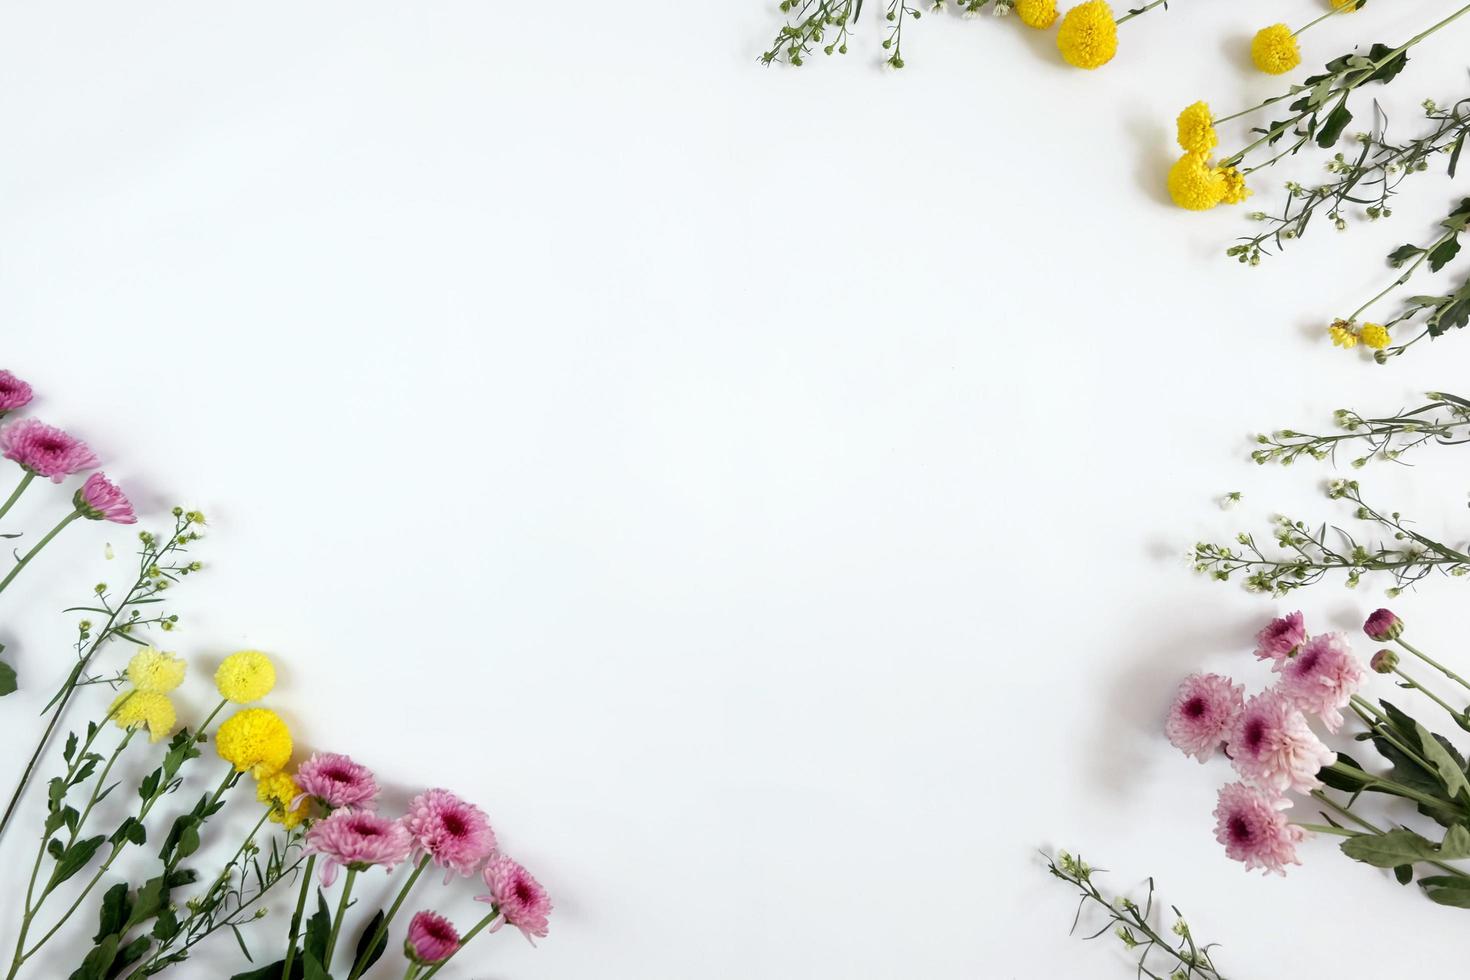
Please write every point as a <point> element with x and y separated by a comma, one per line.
<point>7,679</point>
<point>1337,121</point>
<point>1450,770</point>
<point>114,911</point>
<point>98,961</point>
<point>1390,849</point>
<point>271,971</point>
<point>1456,843</point>
<point>1455,153</point>
<point>1442,253</point>
<point>1404,873</point>
<point>128,955</point>
<point>317,928</point>
<point>75,858</point>
<point>313,969</point>
<point>365,957</point>
<point>1447,890</point>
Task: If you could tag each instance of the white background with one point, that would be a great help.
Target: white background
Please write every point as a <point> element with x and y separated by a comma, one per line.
<point>762,490</point>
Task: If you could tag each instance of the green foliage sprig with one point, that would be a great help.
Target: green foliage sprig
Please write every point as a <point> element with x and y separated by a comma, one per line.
<point>1445,420</point>
<point>828,24</point>
<point>1132,925</point>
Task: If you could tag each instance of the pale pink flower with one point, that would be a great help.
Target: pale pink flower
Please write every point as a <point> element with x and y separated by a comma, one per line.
<point>357,840</point>
<point>99,499</point>
<point>1322,678</point>
<point>517,896</point>
<point>1255,831</point>
<point>14,393</point>
<point>1273,746</point>
<point>1281,638</point>
<point>1383,626</point>
<point>454,833</point>
<point>337,781</point>
<point>1203,712</point>
<point>45,450</point>
<point>431,938</point>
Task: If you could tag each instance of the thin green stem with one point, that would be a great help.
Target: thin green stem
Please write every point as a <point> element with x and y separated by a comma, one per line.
<point>382,929</point>
<point>1333,12</point>
<point>296,917</point>
<point>1458,715</point>
<point>25,481</point>
<point>465,940</point>
<point>1352,317</point>
<point>1433,663</point>
<point>1141,10</point>
<point>36,550</point>
<point>1343,811</point>
<point>337,919</point>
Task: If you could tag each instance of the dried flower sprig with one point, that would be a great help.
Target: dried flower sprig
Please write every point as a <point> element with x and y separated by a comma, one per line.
<point>828,25</point>
<point>1444,420</point>
<point>1369,178</point>
<point>1306,556</point>
<point>1131,923</point>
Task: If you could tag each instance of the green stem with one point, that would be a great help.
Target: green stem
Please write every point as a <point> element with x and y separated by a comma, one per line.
<point>296,917</point>
<point>1141,10</point>
<point>465,940</point>
<point>382,929</point>
<point>1333,12</point>
<point>1403,278</point>
<point>1459,716</point>
<point>337,919</point>
<point>1433,663</point>
<point>25,481</point>
<point>26,560</point>
<point>1343,811</point>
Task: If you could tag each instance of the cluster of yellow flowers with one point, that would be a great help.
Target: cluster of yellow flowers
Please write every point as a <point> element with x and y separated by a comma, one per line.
<point>1088,37</point>
<point>1347,335</point>
<point>1194,182</point>
<point>153,674</point>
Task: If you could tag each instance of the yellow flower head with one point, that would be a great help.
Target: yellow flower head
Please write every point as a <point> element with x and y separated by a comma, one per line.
<point>1088,37</point>
<point>1343,335</point>
<point>1347,6</point>
<point>151,709</point>
<point>1274,50</point>
<point>255,740</point>
<point>1235,189</point>
<point>155,670</point>
<point>1197,129</point>
<point>245,676</point>
<point>1039,14</point>
<point>1194,184</point>
<point>279,791</point>
<point>1375,335</point>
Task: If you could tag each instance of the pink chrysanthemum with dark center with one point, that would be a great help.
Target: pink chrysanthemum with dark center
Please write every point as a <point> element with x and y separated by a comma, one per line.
<point>1203,712</point>
<point>521,900</point>
<point>1383,626</point>
<point>1254,829</point>
<point>357,840</point>
<point>100,500</point>
<point>337,781</point>
<point>454,833</point>
<point>1322,678</point>
<point>1281,638</point>
<point>45,450</point>
<point>14,393</point>
<point>431,938</point>
<point>1272,746</point>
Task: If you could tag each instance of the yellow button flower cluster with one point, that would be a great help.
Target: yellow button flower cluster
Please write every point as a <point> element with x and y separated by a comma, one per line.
<point>153,674</point>
<point>1194,182</point>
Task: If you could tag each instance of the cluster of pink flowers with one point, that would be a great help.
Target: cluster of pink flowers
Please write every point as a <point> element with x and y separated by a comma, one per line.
<point>438,827</point>
<point>1269,738</point>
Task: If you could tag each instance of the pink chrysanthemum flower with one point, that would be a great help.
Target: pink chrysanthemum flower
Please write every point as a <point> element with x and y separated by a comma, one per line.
<point>99,499</point>
<point>45,450</point>
<point>1273,746</point>
<point>14,393</point>
<point>1322,678</point>
<point>337,781</point>
<point>431,939</point>
<point>454,833</point>
<point>1203,713</point>
<point>1255,831</point>
<point>518,897</point>
<point>357,840</point>
<point>1281,638</point>
<point>1383,626</point>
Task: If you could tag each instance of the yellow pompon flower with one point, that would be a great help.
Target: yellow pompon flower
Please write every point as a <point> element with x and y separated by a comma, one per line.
<point>245,676</point>
<point>1235,189</point>
<point>1088,37</point>
<point>1039,14</point>
<point>1194,184</point>
<point>1343,335</point>
<point>1197,129</point>
<point>279,791</point>
<point>1274,50</point>
<point>1375,335</point>
<point>1347,6</point>
<point>150,709</point>
<point>156,670</point>
<point>255,740</point>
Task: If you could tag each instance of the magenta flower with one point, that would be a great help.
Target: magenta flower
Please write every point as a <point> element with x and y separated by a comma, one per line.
<point>1273,746</point>
<point>454,833</point>
<point>518,897</point>
<point>337,781</point>
<point>99,499</point>
<point>357,840</point>
<point>1203,713</point>
<point>1255,831</point>
<point>431,939</point>
<point>1383,626</point>
<point>14,393</point>
<point>45,450</point>
<point>1281,638</point>
<point>1322,678</point>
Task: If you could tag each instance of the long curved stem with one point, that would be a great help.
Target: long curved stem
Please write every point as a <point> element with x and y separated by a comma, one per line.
<point>337,919</point>
<point>36,550</point>
<point>25,481</point>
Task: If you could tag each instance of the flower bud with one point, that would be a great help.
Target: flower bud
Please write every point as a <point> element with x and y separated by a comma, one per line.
<point>1383,626</point>
<point>1384,661</point>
